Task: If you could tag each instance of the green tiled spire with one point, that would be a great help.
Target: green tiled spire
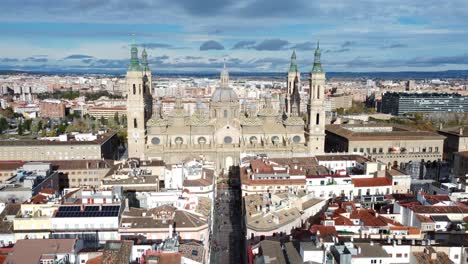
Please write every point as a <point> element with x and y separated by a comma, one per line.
<point>317,64</point>
<point>293,67</point>
<point>134,62</point>
<point>144,58</point>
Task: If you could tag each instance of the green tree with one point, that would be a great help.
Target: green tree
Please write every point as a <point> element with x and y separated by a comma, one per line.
<point>20,128</point>
<point>123,120</point>
<point>7,112</point>
<point>62,128</point>
<point>116,118</point>
<point>102,121</point>
<point>3,124</point>
<point>27,124</point>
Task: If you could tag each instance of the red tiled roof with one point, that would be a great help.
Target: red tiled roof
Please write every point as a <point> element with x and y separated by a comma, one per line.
<point>96,260</point>
<point>343,221</point>
<point>38,199</point>
<point>389,221</point>
<point>324,230</point>
<point>49,191</point>
<point>9,165</point>
<point>372,182</point>
<point>423,209</point>
<point>368,218</point>
<point>3,258</point>
<point>411,230</point>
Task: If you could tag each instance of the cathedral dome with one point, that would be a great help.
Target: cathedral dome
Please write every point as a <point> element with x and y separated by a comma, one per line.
<point>224,95</point>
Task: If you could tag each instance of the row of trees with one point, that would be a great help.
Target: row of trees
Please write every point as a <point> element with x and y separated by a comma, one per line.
<point>70,95</point>
<point>356,108</point>
<point>72,123</point>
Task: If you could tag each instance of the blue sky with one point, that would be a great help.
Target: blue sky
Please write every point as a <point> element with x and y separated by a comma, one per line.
<point>252,35</point>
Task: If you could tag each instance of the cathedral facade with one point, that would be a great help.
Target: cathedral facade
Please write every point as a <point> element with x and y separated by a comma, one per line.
<point>226,130</point>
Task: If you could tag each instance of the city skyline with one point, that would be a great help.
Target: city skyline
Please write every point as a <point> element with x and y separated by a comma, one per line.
<point>253,36</point>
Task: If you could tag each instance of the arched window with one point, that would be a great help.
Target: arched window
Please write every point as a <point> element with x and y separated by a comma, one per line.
<point>225,113</point>
<point>318,92</point>
<point>139,88</point>
<point>135,125</point>
<point>317,120</point>
<point>134,89</point>
<point>275,139</point>
<point>253,139</point>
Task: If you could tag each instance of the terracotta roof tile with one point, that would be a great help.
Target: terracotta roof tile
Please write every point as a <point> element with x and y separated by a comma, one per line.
<point>372,182</point>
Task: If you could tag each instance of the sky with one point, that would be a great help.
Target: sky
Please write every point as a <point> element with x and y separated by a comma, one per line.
<point>250,35</point>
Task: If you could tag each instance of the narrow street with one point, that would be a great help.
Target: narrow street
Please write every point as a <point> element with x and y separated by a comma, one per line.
<point>228,235</point>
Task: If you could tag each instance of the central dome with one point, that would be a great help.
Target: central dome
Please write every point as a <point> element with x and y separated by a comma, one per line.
<point>224,95</point>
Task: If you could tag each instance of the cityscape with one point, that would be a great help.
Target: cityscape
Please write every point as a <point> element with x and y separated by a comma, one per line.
<point>197,137</point>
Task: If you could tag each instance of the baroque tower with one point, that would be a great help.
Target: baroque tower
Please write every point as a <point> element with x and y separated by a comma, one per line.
<point>137,81</point>
<point>316,118</point>
<point>294,78</point>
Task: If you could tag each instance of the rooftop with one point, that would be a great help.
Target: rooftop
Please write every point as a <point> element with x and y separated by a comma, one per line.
<point>371,132</point>
<point>371,182</point>
<point>35,248</point>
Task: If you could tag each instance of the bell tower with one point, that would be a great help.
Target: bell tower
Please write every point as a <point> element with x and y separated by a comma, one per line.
<point>316,118</point>
<point>136,83</point>
<point>293,84</point>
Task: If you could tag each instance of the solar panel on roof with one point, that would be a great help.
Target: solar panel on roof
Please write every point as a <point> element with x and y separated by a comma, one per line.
<point>92,208</point>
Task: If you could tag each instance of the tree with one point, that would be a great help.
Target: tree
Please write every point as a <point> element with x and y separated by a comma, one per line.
<point>7,112</point>
<point>123,120</point>
<point>102,120</point>
<point>27,124</point>
<point>116,118</point>
<point>3,124</point>
<point>20,128</point>
<point>62,128</point>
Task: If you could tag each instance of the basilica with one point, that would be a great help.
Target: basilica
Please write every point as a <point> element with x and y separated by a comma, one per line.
<point>227,130</point>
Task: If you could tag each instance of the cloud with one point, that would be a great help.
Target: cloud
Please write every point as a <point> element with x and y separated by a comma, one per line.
<point>348,44</point>
<point>193,57</point>
<point>304,46</point>
<point>415,62</point>
<point>8,60</point>
<point>271,45</point>
<point>211,45</point>
<point>77,56</point>
<point>395,46</point>
<point>154,45</point>
<point>38,59</point>
<point>244,44</point>
<point>337,50</point>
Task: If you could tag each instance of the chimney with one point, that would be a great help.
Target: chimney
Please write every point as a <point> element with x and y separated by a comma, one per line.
<point>461,131</point>
<point>126,205</point>
<point>433,255</point>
